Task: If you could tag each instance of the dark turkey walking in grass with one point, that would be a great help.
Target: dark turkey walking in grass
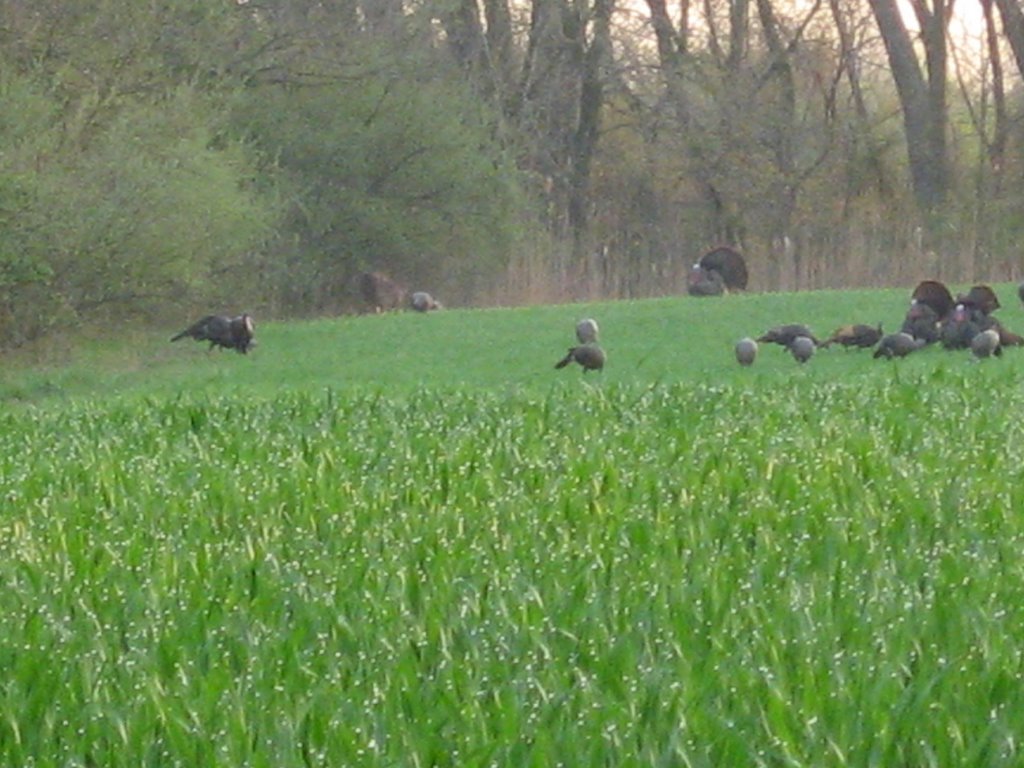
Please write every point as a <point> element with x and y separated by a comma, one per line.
<point>784,334</point>
<point>802,348</point>
<point>226,332</point>
<point>590,357</point>
<point>857,335</point>
<point>897,345</point>
<point>922,322</point>
<point>959,329</point>
<point>973,314</point>
<point>746,351</point>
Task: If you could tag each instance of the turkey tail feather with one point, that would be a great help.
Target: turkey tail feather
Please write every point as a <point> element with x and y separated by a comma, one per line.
<point>565,360</point>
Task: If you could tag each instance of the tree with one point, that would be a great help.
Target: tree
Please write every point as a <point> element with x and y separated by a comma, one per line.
<point>1013,26</point>
<point>125,196</point>
<point>922,93</point>
<point>385,163</point>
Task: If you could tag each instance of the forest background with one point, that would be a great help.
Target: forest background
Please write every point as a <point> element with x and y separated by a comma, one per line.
<point>165,157</point>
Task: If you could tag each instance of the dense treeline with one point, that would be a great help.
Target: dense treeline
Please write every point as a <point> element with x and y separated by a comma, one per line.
<point>157,157</point>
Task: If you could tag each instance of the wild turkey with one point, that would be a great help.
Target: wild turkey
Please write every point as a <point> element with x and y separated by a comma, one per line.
<point>957,330</point>
<point>1007,338</point>
<point>802,348</point>
<point>858,335</point>
<point>379,292</point>
<point>704,282</point>
<point>421,301</point>
<point>590,356</point>
<point>936,295</point>
<point>587,331</point>
<point>922,322</point>
<point>746,351</point>
<point>227,332</point>
<point>784,334</point>
<point>727,262</point>
<point>968,321</point>
<point>986,344</point>
<point>1020,292</point>
<point>897,345</point>
<point>981,298</point>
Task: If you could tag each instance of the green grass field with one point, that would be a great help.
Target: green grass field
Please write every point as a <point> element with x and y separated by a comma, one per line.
<point>650,342</point>
<point>408,541</point>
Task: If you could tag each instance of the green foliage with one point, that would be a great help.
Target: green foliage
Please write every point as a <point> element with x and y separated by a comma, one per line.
<point>670,575</point>
<point>118,192</point>
<point>406,539</point>
<point>29,140</point>
<point>154,210</point>
<point>386,169</point>
<point>676,339</point>
<point>25,129</point>
<point>150,212</point>
<point>121,48</point>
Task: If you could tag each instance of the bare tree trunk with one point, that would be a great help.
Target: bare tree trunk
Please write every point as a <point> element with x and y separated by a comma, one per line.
<point>465,35</point>
<point>1013,26</point>
<point>739,25</point>
<point>781,72</point>
<point>671,53</point>
<point>500,50</point>
<point>584,139</point>
<point>922,99</point>
<point>848,61</point>
<point>991,161</point>
<point>671,43</point>
<point>684,25</point>
<point>996,148</point>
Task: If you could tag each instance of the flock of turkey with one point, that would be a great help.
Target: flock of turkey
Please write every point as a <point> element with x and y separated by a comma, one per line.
<point>934,316</point>
<point>378,291</point>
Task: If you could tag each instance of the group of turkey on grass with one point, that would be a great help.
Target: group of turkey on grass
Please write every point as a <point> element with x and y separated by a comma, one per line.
<point>718,271</point>
<point>226,332</point>
<point>934,316</point>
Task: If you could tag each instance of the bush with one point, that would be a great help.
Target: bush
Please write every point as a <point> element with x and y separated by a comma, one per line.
<point>143,212</point>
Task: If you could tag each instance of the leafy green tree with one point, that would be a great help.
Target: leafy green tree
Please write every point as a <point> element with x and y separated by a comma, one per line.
<point>154,212</point>
<point>151,216</point>
<point>922,92</point>
<point>119,193</point>
<point>385,169</point>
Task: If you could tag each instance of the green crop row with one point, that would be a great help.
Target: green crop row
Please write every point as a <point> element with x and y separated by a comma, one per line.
<point>615,575</point>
